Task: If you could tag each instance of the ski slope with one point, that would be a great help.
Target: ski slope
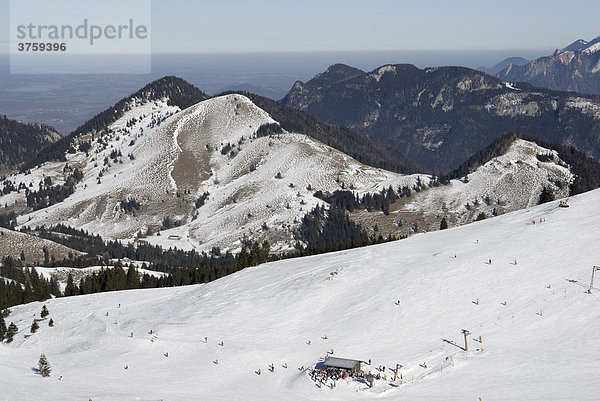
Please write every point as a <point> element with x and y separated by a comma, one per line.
<point>540,345</point>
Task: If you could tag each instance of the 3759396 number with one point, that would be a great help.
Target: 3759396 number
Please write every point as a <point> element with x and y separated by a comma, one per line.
<point>41,47</point>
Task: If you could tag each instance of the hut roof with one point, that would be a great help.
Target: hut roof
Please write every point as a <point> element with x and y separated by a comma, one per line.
<point>334,362</point>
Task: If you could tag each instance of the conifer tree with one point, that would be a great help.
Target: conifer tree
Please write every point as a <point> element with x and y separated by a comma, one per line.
<point>44,312</point>
<point>44,366</point>
<point>10,333</point>
<point>71,288</point>
<point>546,196</point>
<point>481,216</point>
<point>34,327</point>
<point>2,328</point>
<point>444,223</point>
<point>133,278</point>
<point>51,323</point>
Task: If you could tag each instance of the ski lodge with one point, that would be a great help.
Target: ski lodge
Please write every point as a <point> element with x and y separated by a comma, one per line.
<point>350,365</point>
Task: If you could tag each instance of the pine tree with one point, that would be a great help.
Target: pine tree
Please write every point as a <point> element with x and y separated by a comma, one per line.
<point>44,312</point>
<point>51,323</point>
<point>34,327</point>
<point>546,196</point>
<point>12,330</point>
<point>71,289</point>
<point>133,278</point>
<point>444,223</point>
<point>54,287</point>
<point>2,328</point>
<point>44,366</point>
<point>481,216</point>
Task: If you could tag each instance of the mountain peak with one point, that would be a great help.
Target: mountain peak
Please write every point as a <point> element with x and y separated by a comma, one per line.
<point>578,45</point>
<point>581,45</point>
<point>335,73</point>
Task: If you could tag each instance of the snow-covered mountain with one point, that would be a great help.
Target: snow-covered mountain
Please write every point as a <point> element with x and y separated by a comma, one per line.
<point>511,181</point>
<point>222,173</point>
<point>258,187</point>
<point>583,46</point>
<point>573,68</point>
<point>519,287</point>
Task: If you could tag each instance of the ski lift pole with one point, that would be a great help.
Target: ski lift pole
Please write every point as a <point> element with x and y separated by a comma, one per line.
<point>466,333</point>
<point>398,366</point>
<point>592,280</point>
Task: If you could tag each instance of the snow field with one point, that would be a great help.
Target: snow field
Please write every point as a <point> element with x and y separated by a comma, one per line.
<point>267,314</point>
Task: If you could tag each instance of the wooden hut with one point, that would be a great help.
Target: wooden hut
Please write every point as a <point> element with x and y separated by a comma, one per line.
<point>349,365</point>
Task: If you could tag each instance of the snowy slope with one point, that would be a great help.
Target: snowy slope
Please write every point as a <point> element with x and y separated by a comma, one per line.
<point>511,181</point>
<point>538,325</point>
<point>209,147</point>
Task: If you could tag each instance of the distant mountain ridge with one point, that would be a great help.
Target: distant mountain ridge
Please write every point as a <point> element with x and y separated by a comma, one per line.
<point>575,67</point>
<point>495,69</point>
<point>441,116</point>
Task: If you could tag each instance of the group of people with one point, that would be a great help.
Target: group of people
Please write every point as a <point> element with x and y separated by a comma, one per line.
<point>334,374</point>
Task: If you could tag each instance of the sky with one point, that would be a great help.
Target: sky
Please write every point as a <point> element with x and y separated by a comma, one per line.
<point>241,26</point>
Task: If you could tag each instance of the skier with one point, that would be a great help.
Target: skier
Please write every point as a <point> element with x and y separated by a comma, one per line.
<point>131,334</point>
<point>258,371</point>
<point>167,354</point>
<point>369,362</point>
<point>221,343</point>
<point>205,339</point>
<point>126,367</point>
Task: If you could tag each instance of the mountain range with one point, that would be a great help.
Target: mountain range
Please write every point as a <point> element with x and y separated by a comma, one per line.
<point>574,68</point>
<point>441,116</point>
<point>223,173</point>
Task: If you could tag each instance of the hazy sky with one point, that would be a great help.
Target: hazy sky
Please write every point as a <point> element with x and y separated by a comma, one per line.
<point>233,26</point>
